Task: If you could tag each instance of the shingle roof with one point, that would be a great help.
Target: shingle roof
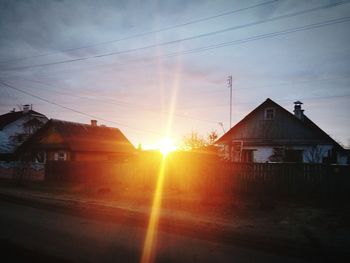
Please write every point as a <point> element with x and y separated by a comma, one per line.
<point>10,117</point>
<point>84,137</point>
<point>268,132</point>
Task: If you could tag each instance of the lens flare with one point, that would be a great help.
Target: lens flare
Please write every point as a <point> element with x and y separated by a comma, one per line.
<point>148,248</point>
<point>149,251</point>
<point>166,146</point>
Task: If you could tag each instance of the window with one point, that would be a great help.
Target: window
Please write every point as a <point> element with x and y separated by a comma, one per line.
<point>269,114</point>
<point>60,156</point>
<point>40,157</point>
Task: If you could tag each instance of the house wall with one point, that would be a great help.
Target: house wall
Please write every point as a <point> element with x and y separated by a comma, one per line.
<point>7,145</point>
<point>80,156</point>
<point>85,156</point>
<point>311,154</point>
<point>285,130</point>
<point>12,129</point>
<point>260,154</point>
<point>98,156</point>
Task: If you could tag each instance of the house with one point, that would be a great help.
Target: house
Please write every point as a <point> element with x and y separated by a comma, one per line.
<point>61,140</point>
<point>270,133</point>
<point>16,127</point>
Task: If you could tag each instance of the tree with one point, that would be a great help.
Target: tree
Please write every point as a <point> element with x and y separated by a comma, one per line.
<point>28,128</point>
<point>315,154</point>
<point>212,136</point>
<point>32,125</point>
<point>193,141</point>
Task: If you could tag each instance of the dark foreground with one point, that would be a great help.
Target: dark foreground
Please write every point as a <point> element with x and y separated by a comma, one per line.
<point>36,235</point>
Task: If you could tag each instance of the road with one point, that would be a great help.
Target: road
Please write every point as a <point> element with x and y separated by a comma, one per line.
<point>33,234</point>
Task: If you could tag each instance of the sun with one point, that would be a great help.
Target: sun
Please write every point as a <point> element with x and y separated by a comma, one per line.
<point>166,146</point>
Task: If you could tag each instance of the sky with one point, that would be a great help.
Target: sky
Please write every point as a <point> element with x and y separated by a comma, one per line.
<point>160,68</point>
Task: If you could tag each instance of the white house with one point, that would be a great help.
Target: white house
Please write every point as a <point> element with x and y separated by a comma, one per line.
<point>270,133</point>
<point>16,127</point>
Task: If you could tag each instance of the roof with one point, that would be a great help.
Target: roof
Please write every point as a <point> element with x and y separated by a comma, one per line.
<point>287,130</point>
<point>10,117</point>
<point>80,137</point>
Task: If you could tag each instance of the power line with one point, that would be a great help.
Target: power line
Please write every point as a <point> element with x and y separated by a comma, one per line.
<point>263,36</point>
<point>144,107</point>
<point>203,35</point>
<point>273,85</point>
<point>148,32</point>
<point>120,103</point>
<point>74,110</point>
<point>143,130</point>
<point>292,83</point>
<point>246,40</point>
<point>252,103</point>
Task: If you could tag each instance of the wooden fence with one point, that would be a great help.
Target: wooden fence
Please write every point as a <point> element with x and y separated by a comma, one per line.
<point>87,171</point>
<point>286,179</point>
<point>22,171</point>
<point>198,175</point>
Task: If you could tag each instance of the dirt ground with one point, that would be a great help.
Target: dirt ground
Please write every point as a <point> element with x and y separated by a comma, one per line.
<point>325,224</point>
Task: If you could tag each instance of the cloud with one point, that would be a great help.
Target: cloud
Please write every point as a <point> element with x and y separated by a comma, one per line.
<point>34,27</point>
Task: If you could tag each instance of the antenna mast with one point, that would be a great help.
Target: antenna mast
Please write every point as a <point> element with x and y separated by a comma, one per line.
<point>229,84</point>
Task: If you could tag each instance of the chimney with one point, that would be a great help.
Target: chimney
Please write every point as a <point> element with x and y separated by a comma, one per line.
<point>94,123</point>
<point>298,112</point>
<point>26,108</point>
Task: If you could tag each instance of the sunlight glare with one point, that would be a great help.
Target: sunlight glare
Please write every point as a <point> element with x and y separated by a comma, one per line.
<point>166,146</point>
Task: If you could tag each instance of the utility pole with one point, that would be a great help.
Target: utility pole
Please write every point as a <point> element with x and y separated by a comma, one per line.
<point>229,84</point>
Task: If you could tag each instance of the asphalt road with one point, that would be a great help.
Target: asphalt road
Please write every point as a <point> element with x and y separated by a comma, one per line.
<point>30,234</point>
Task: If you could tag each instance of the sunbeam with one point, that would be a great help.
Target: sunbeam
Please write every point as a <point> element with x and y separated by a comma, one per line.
<point>151,235</point>
<point>149,252</point>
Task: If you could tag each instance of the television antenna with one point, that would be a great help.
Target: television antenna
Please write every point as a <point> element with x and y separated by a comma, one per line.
<point>229,85</point>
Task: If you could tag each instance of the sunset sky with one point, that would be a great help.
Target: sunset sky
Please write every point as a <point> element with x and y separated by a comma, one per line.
<point>131,64</point>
